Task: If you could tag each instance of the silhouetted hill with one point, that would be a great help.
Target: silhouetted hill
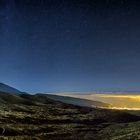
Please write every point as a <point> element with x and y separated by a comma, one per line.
<point>77,101</point>
<point>8,89</point>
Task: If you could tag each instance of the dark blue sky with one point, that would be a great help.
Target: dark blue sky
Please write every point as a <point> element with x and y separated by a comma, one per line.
<point>70,45</point>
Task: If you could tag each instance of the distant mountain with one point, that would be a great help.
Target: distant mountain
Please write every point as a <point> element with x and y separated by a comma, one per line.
<point>8,89</point>
<point>77,101</point>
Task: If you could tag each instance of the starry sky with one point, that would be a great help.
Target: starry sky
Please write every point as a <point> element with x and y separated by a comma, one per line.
<point>70,45</point>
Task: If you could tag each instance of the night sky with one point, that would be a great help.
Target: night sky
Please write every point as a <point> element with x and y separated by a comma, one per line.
<point>70,45</point>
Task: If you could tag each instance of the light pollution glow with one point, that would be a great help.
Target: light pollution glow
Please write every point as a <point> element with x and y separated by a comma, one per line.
<point>117,101</point>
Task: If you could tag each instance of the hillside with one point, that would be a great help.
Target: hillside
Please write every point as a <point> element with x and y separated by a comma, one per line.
<point>77,101</point>
<point>8,89</point>
<point>33,117</point>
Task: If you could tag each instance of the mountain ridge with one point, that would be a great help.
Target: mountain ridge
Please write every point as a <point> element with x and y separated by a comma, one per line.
<point>77,101</point>
<point>8,89</point>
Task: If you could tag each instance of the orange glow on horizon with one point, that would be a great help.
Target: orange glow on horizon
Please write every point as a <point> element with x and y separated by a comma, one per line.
<point>116,101</point>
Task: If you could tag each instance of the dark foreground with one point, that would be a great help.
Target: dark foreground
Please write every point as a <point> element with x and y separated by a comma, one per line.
<point>36,117</point>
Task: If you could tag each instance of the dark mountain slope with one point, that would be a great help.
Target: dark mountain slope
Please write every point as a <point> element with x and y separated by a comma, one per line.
<point>77,101</point>
<point>8,89</point>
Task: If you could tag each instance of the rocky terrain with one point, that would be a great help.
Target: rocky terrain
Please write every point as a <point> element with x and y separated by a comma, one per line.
<point>37,117</point>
